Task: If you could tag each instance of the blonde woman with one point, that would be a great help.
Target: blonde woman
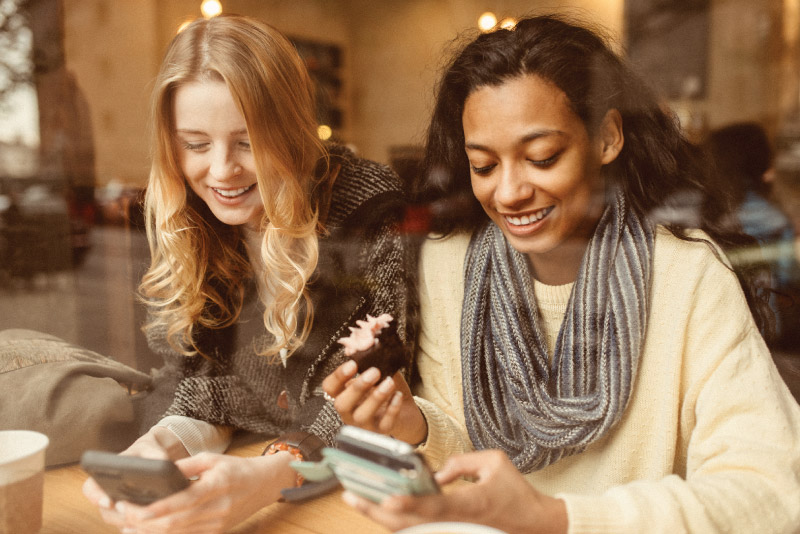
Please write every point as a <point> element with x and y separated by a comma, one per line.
<point>265,246</point>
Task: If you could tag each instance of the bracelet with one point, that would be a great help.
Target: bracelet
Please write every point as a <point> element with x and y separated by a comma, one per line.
<point>277,446</point>
<point>304,446</point>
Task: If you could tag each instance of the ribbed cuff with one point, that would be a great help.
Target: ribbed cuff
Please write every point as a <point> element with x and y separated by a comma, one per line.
<point>592,514</point>
<point>444,437</point>
<point>197,436</point>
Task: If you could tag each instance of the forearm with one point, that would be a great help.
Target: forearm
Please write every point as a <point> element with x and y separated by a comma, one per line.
<point>158,442</point>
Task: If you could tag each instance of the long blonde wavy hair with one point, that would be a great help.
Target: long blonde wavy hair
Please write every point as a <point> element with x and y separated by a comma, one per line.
<point>199,265</point>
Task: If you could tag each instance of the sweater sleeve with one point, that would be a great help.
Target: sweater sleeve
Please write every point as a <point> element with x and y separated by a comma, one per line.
<point>374,264</point>
<point>739,426</point>
<point>438,392</point>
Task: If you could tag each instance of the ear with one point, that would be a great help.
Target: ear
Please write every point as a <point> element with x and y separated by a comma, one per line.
<point>610,136</point>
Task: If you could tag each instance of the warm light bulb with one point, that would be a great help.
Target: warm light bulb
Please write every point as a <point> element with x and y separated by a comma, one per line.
<point>183,26</point>
<point>324,132</point>
<point>210,8</point>
<point>508,23</point>
<point>487,21</point>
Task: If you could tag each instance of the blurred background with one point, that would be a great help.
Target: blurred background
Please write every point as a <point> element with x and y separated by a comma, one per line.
<point>75,77</point>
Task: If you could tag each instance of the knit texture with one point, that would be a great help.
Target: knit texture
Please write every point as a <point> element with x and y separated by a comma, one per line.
<point>710,441</point>
<point>535,410</point>
<point>361,269</point>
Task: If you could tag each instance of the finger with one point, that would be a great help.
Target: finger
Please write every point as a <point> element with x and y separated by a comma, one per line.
<point>95,494</point>
<point>459,465</point>
<point>336,382</point>
<point>350,398</point>
<point>475,465</point>
<point>194,466</point>
<point>381,395</point>
<point>402,385</point>
<point>389,417</point>
<point>112,517</point>
<point>389,518</point>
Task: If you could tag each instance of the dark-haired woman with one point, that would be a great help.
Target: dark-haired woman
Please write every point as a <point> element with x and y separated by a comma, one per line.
<point>607,367</point>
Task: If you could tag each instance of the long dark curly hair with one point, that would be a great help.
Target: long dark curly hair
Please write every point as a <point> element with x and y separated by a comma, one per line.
<point>662,174</point>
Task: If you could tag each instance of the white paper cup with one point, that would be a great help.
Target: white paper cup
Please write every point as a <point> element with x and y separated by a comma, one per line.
<point>450,528</point>
<point>21,481</point>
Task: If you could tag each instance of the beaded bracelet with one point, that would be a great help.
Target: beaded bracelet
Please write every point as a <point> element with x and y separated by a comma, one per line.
<point>277,446</point>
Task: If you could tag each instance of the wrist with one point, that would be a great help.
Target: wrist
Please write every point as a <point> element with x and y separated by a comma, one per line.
<point>167,440</point>
<point>299,446</point>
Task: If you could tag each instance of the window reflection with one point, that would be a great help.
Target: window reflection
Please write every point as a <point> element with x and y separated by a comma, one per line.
<point>74,81</point>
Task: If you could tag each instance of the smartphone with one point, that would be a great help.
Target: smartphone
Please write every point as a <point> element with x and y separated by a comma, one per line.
<point>375,466</point>
<point>131,478</point>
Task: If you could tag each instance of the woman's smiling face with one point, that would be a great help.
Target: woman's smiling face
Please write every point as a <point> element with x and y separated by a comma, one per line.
<point>536,171</point>
<point>213,150</point>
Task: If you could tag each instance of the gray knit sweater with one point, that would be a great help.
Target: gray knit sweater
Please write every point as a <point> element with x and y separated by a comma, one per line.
<point>362,269</point>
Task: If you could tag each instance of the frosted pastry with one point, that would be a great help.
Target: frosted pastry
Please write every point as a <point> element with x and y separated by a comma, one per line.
<point>374,343</point>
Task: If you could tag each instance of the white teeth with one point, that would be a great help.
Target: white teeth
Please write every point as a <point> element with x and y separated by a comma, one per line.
<point>230,193</point>
<point>527,219</point>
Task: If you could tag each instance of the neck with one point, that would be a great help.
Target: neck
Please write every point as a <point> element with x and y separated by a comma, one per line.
<point>560,266</point>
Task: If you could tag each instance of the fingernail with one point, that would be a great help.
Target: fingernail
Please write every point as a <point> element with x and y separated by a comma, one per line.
<point>128,530</point>
<point>349,367</point>
<point>350,499</point>
<point>397,398</point>
<point>105,502</point>
<point>387,385</point>
<point>371,375</point>
<point>120,507</point>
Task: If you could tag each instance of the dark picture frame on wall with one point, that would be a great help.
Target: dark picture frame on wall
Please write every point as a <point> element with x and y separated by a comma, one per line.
<point>667,42</point>
<point>324,64</point>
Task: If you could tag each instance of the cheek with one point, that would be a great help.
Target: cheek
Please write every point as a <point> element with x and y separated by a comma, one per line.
<point>482,191</point>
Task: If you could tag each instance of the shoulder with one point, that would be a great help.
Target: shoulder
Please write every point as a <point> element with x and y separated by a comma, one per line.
<point>441,264</point>
<point>450,249</point>
<point>695,274</point>
<point>362,184</point>
<point>696,253</point>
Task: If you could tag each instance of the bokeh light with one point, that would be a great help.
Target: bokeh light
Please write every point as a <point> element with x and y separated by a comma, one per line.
<point>210,8</point>
<point>324,132</point>
<point>487,21</point>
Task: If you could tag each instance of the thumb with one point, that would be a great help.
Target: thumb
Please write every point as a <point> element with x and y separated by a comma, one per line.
<point>196,465</point>
<point>469,465</point>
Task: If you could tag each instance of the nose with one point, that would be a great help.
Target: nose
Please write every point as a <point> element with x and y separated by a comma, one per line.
<point>223,164</point>
<point>513,186</point>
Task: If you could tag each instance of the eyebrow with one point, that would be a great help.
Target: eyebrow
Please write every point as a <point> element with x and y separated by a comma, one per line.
<point>243,131</point>
<point>527,138</point>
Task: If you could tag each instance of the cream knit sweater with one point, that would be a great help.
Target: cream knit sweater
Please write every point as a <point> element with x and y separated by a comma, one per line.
<point>710,441</point>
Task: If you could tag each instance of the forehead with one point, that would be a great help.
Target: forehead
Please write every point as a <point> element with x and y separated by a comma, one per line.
<point>203,103</point>
<point>518,106</point>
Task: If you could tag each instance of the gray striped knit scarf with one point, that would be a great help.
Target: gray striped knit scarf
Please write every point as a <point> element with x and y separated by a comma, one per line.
<point>515,399</point>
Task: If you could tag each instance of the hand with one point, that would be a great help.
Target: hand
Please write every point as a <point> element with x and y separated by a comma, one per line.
<point>229,490</point>
<point>387,407</point>
<point>159,443</point>
<point>501,498</point>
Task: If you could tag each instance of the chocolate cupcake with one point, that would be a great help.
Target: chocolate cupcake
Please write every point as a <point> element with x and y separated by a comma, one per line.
<point>375,343</point>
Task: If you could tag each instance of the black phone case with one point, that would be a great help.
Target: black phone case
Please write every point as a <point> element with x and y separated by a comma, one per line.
<point>134,479</point>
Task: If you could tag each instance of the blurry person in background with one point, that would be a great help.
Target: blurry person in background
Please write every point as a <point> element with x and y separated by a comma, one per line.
<point>592,369</point>
<point>743,156</point>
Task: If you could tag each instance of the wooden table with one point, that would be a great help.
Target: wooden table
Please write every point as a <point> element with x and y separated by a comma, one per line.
<point>67,511</point>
